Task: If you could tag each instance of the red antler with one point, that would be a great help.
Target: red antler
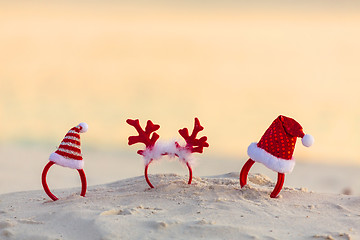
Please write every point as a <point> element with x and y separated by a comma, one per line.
<point>196,145</point>
<point>144,136</point>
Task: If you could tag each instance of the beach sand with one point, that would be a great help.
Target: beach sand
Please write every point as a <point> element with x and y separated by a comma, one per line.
<point>210,208</point>
<point>318,201</point>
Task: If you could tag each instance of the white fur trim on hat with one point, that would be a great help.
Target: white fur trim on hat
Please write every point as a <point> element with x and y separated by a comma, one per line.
<point>84,127</point>
<point>307,140</point>
<point>60,160</point>
<point>274,163</point>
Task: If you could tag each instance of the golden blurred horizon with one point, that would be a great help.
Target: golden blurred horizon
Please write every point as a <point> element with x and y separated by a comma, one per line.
<point>236,68</point>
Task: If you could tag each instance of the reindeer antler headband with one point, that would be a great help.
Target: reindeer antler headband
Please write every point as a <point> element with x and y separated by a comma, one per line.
<point>155,151</point>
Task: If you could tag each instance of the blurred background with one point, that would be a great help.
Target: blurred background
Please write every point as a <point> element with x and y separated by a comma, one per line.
<point>236,65</point>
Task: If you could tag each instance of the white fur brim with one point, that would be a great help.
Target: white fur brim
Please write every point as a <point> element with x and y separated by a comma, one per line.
<point>274,163</point>
<point>60,160</point>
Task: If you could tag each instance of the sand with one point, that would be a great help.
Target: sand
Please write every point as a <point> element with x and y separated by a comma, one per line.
<point>210,208</point>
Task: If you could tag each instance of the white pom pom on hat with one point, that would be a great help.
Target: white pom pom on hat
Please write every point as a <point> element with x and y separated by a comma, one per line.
<point>84,127</point>
<point>307,140</point>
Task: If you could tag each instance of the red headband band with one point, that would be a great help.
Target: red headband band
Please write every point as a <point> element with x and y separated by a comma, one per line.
<point>46,188</point>
<point>155,150</point>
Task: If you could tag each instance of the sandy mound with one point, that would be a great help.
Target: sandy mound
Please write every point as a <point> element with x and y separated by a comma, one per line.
<point>210,208</point>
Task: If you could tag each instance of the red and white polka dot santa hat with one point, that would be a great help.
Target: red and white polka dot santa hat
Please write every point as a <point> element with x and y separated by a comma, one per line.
<point>275,148</point>
<point>68,153</point>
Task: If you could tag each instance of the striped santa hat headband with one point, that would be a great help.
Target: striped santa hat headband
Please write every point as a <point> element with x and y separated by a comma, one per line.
<point>68,154</point>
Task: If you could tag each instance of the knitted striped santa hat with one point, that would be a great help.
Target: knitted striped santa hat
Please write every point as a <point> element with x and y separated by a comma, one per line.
<point>68,153</point>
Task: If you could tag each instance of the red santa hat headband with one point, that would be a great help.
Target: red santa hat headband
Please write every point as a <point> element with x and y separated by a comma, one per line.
<point>275,150</point>
<point>68,155</point>
<point>155,150</point>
